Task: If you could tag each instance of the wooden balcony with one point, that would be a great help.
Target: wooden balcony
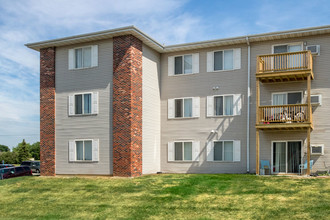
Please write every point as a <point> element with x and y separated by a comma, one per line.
<point>284,67</point>
<point>284,117</point>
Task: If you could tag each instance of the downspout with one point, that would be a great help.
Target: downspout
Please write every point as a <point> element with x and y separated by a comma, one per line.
<point>248,109</point>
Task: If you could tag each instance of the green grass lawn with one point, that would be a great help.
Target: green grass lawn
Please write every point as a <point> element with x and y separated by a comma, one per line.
<point>172,196</point>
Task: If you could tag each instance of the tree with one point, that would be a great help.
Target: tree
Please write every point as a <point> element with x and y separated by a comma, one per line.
<point>9,157</point>
<point>34,150</point>
<point>4,148</point>
<point>23,151</point>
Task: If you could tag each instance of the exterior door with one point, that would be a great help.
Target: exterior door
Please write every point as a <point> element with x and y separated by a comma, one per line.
<point>286,157</point>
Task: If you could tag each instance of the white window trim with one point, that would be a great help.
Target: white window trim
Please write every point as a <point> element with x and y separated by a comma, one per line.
<point>223,106</point>
<point>192,65</point>
<point>93,107</point>
<point>286,157</point>
<point>289,44</point>
<point>223,60</point>
<point>75,149</point>
<point>286,92</point>
<point>223,161</point>
<point>74,57</point>
<point>74,103</point>
<point>192,108</point>
<point>223,151</point>
<point>317,145</point>
<point>192,152</point>
<point>210,60</point>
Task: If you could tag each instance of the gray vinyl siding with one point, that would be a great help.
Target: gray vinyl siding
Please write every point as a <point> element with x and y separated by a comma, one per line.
<point>321,114</point>
<point>150,111</point>
<point>199,129</point>
<point>84,127</point>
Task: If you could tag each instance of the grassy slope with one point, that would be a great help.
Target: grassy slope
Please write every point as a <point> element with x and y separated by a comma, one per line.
<point>166,196</point>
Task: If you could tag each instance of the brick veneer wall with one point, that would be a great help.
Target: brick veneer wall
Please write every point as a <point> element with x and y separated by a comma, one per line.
<point>127,106</point>
<point>47,111</point>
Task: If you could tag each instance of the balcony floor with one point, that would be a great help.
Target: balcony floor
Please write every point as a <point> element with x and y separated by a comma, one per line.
<point>284,76</point>
<point>285,126</point>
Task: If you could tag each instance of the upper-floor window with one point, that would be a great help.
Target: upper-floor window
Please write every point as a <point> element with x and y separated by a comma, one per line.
<point>184,107</point>
<point>224,105</point>
<point>83,57</point>
<point>286,98</point>
<point>183,64</point>
<point>83,103</point>
<point>287,48</point>
<point>224,60</point>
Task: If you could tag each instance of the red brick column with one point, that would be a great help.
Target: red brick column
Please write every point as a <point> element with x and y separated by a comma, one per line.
<point>127,106</point>
<point>47,111</point>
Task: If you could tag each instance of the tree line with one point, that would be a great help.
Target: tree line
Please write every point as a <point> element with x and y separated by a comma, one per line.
<point>23,151</point>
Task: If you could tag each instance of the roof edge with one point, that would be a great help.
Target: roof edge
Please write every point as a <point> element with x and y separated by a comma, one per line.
<point>100,34</point>
<point>176,47</point>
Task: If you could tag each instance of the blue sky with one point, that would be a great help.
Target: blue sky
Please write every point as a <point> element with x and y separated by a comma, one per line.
<point>169,22</point>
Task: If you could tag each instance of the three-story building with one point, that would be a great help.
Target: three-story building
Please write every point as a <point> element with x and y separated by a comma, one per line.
<point>119,103</point>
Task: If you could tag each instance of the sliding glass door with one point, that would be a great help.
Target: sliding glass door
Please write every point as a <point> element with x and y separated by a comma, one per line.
<point>286,157</point>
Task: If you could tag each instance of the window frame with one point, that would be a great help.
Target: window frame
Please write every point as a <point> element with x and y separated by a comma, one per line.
<point>183,160</point>
<point>289,44</point>
<point>192,63</point>
<point>223,60</point>
<point>276,93</point>
<point>74,57</point>
<point>76,155</point>
<point>82,103</point>
<point>223,104</point>
<point>183,98</point>
<point>223,151</point>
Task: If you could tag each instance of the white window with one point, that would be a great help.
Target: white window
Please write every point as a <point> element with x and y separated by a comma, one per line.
<point>183,151</point>
<point>84,150</point>
<point>317,149</point>
<point>184,107</point>
<point>83,57</point>
<point>224,60</point>
<point>83,104</point>
<point>287,48</point>
<point>287,98</point>
<point>224,151</point>
<point>183,64</point>
<point>224,105</point>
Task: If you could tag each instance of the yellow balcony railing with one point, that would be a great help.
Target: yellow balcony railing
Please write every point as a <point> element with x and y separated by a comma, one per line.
<point>297,113</point>
<point>283,62</point>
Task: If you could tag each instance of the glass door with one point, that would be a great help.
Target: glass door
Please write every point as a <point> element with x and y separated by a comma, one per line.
<point>279,157</point>
<point>294,156</point>
<point>286,157</point>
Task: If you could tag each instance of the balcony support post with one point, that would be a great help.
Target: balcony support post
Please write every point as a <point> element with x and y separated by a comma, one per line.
<point>257,152</point>
<point>309,113</point>
<point>257,122</point>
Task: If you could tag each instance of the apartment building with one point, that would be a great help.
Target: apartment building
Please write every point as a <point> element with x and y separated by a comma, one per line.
<point>119,103</point>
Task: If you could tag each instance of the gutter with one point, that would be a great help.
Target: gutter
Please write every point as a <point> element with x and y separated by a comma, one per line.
<point>248,109</point>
